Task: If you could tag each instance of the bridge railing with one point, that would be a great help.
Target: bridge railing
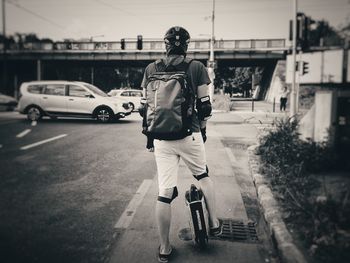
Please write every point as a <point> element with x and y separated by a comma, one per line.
<point>150,45</point>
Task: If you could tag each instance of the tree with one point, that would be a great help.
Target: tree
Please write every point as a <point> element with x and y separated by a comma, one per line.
<point>324,35</point>
<point>30,38</point>
<point>344,32</point>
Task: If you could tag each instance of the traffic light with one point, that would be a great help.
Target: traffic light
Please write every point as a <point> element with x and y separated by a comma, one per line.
<point>305,68</point>
<point>139,42</point>
<point>300,26</point>
<point>303,24</point>
<point>122,43</point>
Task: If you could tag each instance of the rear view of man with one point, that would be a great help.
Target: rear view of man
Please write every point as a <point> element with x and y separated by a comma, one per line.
<point>187,145</point>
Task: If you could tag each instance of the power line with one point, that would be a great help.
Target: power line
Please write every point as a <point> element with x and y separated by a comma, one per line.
<point>113,7</point>
<point>35,14</point>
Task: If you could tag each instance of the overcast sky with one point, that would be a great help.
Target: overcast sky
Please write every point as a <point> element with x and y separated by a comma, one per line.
<point>116,19</point>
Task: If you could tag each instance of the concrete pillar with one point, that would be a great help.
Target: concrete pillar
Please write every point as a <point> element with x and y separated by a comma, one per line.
<point>92,75</point>
<point>325,115</point>
<point>211,87</point>
<point>38,69</point>
<point>15,84</point>
<point>307,125</point>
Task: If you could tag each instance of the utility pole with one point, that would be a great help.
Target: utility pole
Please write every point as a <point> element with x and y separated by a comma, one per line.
<point>3,19</point>
<point>293,95</point>
<point>211,56</point>
<point>4,65</point>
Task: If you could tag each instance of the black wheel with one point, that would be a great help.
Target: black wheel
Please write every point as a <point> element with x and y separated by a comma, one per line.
<point>132,106</point>
<point>104,115</point>
<point>34,113</point>
<point>202,240</point>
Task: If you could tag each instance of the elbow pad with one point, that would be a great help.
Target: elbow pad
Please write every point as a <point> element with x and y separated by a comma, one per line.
<point>203,106</point>
<point>142,107</point>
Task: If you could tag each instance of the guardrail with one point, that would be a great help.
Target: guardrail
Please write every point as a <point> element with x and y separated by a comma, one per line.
<point>151,45</point>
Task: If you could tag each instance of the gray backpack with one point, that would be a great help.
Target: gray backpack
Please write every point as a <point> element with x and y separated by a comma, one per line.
<point>169,103</point>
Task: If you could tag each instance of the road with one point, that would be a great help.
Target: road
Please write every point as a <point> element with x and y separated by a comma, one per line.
<point>68,188</point>
<point>60,200</point>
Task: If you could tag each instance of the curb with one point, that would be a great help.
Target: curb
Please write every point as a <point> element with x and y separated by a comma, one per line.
<point>288,251</point>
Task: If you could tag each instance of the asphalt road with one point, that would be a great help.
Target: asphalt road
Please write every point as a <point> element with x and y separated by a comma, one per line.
<point>59,201</point>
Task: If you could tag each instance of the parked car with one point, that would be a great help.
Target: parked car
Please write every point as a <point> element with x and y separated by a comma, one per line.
<point>69,99</point>
<point>132,95</point>
<point>7,103</point>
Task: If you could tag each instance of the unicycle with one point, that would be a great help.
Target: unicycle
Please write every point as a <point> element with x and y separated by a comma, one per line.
<point>198,216</point>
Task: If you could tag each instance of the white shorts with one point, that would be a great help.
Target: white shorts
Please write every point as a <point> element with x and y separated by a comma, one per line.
<point>168,153</point>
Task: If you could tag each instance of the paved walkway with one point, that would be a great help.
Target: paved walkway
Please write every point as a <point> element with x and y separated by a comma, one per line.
<point>139,241</point>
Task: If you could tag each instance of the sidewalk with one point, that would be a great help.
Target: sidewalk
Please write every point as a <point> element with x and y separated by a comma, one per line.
<point>139,242</point>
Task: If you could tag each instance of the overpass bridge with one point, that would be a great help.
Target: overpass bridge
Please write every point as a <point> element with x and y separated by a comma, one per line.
<point>90,61</point>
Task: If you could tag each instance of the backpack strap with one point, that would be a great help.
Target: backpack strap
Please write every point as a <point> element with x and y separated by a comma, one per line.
<point>183,66</point>
<point>160,65</point>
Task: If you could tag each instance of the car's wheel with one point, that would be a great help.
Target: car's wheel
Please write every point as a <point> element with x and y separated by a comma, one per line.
<point>34,113</point>
<point>104,115</point>
<point>132,106</point>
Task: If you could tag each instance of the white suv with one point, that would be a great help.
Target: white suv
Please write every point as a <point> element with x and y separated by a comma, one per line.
<point>132,95</point>
<point>69,99</point>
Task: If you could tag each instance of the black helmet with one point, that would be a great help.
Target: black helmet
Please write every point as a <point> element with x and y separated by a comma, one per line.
<point>176,40</point>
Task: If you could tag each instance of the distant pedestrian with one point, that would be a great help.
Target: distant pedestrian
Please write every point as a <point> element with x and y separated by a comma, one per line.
<point>166,110</point>
<point>284,98</point>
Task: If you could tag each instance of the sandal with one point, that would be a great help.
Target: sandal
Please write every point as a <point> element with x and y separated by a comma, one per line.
<point>217,231</point>
<point>164,258</point>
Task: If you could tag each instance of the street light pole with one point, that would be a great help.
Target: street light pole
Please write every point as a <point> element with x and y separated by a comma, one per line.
<point>293,97</point>
<point>3,19</point>
<point>4,65</point>
<point>212,37</point>
<point>92,37</point>
<point>211,56</point>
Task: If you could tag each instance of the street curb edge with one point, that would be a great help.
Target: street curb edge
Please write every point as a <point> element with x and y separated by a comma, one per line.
<point>288,251</point>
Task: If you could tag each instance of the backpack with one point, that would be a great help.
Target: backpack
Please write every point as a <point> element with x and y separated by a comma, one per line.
<point>169,103</point>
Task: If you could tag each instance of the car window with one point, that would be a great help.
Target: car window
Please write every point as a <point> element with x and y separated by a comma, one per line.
<point>113,93</point>
<point>95,90</point>
<point>35,89</point>
<point>54,89</point>
<point>125,93</point>
<point>136,94</point>
<point>76,91</point>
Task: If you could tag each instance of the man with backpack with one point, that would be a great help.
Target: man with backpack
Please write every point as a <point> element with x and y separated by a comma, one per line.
<point>176,108</point>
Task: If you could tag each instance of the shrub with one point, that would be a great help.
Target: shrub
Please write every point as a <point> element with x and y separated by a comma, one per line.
<point>291,164</point>
<point>222,102</point>
<point>282,148</point>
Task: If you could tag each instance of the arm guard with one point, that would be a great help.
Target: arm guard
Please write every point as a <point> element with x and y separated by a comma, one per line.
<point>203,106</point>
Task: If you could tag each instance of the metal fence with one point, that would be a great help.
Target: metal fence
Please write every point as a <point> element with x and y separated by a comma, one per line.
<point>151,45</point>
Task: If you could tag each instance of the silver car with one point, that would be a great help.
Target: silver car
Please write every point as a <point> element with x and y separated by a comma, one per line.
<point>69,99</point>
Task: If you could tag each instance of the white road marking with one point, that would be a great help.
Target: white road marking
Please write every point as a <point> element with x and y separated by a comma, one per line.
<point>0,145</point>
<point>42,142</point>
<point>23,133</point>
<point>230,155</point>
<point>129,212</point>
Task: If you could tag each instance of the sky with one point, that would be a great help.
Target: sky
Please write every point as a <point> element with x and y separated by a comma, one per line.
<point>111,20</point>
